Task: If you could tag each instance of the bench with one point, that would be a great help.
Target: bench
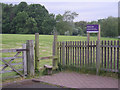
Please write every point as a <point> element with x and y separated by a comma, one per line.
<point>48,69</point>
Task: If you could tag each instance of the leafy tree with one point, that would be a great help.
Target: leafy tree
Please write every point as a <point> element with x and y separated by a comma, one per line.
<point>48,24</point>
<point>109,27</point>
<point>81,25</point>
<point>65,22</point>
<point>19,22</point>
<point>31,26</point>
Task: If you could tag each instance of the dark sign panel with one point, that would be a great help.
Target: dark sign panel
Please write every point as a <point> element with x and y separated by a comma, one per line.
<point>92,28</point>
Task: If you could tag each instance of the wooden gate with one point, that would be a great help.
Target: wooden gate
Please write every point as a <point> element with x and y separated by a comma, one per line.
<point>22,67</point>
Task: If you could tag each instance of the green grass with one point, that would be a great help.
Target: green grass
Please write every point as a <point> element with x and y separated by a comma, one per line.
<point>10,41</point>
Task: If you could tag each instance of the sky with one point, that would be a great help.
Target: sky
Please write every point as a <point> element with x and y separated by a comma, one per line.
<point>88,10</point>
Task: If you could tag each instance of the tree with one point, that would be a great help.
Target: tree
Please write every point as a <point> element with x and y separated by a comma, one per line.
<point>31,26</point>
<point>109,27</point>
<point>19,22</point>
<point>48,24</point>
<point>81,26</point>
<point>65,22</point>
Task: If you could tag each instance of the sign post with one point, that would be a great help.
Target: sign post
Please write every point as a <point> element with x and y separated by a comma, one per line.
<point>95,29</point>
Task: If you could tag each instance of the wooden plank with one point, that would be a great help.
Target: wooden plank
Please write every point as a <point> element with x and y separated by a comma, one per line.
<point>7,58</point>
<point>12,50</point>
<point>8,71</point>
<point>36,52</point>
<point>66,53</point>
<point>55,50</point>
<point>118,55</point>
<point>11,60</point>
<point>60,54</point>
<point>108,56</point>
<point>102,54</point>
<point>114,53</point>
<point>110,46</point>
<point>86,53</point>
<point>80,54</point>
<point>30,57</point>
<point>98,57</point>
<point>111,54</point>
<point>105,55</point>
<point>24,60</point>
<point>92,46</point>
<point>11,64</point>
<point>12,68</point>
<point>75,53</point>
<point>81,46</point>
<point>48,57</point>
<point>71,53</point>
<point>91,52</point>
<point>83,52</point>
<point>63,53</point>
<point>47,66</point>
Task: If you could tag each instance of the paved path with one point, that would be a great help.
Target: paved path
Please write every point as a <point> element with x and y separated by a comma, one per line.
<point>76,80</point>
<point>27,84</point>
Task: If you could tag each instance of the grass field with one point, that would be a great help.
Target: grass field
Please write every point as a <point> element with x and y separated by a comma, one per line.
<point>10,41</point>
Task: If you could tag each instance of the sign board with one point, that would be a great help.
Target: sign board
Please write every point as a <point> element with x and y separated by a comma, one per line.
<point>92,28</point>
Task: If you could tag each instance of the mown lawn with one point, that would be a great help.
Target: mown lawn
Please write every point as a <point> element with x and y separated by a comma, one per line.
<point>10,41</point>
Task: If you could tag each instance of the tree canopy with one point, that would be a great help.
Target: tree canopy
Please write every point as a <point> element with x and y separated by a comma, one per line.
<point>33,18</point>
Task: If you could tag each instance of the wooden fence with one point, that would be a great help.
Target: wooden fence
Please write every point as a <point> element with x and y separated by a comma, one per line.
<point>8,64</point>
<point>84,54</point>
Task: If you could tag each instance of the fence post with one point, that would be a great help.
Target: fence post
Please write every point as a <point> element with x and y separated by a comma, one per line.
<point>36,52</point>
<point>63,53</point>
<point>24,60</point>
<point>30,57</point>
<point>98,53</point>
<point>98,58</point>
<point>55,50</point>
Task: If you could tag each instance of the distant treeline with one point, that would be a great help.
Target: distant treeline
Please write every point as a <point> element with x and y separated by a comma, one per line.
<point>29,19</point>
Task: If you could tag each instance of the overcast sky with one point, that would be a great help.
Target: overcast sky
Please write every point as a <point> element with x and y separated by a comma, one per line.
<point>88,10</point>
